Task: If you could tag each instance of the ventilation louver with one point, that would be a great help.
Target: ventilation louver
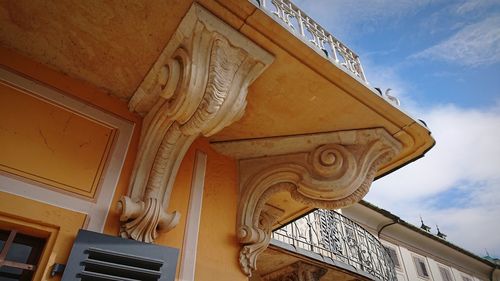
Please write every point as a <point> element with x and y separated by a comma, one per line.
<point>99,257</point>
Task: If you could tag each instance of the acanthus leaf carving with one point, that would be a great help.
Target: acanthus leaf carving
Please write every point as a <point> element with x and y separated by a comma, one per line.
<point>197,87</point>
<point>330,176</point>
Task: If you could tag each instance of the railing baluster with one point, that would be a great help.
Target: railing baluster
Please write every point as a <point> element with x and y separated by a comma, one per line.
<point>361,71</point>
<point>334,49</point>
<point>318,236</point>
<point>301,23</point>
<point>286,8</point>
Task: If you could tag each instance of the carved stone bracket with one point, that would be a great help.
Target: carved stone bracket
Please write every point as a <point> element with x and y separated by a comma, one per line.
<point>298,271</point>
<point>267,219</point>
<point>197,87</point>
<point>328,170</point>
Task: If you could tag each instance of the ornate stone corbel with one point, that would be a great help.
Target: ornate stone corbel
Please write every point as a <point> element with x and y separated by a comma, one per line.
<point>328,170</point>
<point>197,87</point>
<point>269,216</point>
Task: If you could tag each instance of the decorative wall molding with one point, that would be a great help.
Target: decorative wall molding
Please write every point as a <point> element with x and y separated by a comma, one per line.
<point>97,209</point>
<point>57,132</point>
<point>298,271</point>
<point>197,87</point>
<point>329,171</point>
<point>187,264</point>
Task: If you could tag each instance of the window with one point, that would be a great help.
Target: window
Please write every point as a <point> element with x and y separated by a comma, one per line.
<point>445,274</point>
<point>394,256</point>
<point>421,267</point>
<point>40,220</point>
<point>19,255</point>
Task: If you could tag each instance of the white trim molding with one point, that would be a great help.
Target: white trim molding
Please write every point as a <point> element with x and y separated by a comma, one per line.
<point>190,244</point>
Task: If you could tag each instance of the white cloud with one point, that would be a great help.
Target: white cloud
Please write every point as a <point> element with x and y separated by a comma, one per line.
<point>469,6</point>
<point>466,149</point>
<point>475,44</point>
<point>474,228</point>
<point>457,184</point>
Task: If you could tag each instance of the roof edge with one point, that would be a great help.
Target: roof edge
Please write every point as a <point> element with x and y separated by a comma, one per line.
<point>427,234</point>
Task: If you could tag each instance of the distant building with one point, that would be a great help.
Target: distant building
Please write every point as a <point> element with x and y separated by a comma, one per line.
<point>421,255</point>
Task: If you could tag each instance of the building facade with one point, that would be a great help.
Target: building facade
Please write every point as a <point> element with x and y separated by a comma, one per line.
<point>419,254</point>
<point>196,127</point>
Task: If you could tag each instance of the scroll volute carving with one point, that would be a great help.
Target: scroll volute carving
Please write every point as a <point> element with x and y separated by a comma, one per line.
<point>332,175</point>
<point>197,87</point>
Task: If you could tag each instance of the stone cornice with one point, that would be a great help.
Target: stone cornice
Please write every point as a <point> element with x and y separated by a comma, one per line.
<point>329,171</point>
<point>197,87</point>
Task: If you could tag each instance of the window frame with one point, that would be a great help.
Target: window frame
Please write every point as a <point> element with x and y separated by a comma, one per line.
<point>58,226</point>
<point>466,277</point>
<point>421,260</point>
<point>396,250</point>
<point>442,267</point>
<point>28,268</point>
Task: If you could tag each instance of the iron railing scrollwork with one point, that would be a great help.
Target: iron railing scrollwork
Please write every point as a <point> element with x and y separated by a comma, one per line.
<point>305,27</point>
<point>332,235</point>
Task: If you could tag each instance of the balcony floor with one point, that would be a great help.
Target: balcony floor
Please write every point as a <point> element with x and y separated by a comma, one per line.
<point>279,255</point>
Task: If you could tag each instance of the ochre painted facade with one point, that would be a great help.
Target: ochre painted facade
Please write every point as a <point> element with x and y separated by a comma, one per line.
<point>80,134</point>
<point>218,255</point>
<point>218,217</point>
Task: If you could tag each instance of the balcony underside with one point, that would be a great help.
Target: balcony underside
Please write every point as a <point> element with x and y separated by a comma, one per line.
<point>113,46</point>
<point>280,255</point>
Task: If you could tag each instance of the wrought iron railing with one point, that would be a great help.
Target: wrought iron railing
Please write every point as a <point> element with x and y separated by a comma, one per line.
<point>332,235</point>
<point>305,27</point>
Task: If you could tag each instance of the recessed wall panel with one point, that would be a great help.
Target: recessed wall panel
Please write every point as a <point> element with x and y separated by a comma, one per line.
<point>51,144</point>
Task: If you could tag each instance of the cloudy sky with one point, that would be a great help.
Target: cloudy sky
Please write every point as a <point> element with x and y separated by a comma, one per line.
<point>442,59</point>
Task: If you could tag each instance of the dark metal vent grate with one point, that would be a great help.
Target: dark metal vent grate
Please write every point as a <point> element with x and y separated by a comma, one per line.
<point>107,264</point>
<point>98,257</point>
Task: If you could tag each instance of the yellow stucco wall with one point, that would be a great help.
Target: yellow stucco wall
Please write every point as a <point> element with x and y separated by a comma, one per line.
<point>47,143</point>
<point>88,94</point>
<point>29,158</point>
<point>218,248</point>
<point>179,202</point>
